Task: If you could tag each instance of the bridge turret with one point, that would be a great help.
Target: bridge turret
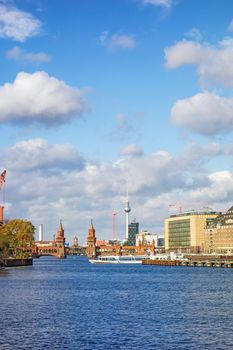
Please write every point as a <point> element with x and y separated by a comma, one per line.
<point>91,242</point>
<point>60,234</point>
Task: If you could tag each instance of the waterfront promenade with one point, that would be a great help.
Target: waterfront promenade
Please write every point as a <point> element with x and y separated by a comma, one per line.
<point>71,304</point>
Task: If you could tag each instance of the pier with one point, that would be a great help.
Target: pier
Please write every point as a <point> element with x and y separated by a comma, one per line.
<point>194,261</point>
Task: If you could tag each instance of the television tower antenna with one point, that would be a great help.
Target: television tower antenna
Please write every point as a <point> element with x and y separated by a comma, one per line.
<point>127,211</point>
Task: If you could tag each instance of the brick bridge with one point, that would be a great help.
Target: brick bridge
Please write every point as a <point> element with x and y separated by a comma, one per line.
<point>55,248</point>
<point>93,250</point>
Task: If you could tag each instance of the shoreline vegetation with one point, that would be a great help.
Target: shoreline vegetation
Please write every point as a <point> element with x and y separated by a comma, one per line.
<point>16,237</point>
<point>11,262</point>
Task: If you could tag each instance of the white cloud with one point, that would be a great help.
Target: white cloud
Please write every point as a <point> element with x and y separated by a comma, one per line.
<point>39,154</point>
<point>230,27</point>
<point>194,154</point>
<point>195,34</point>
<point>205,113</point>
<point>123,128</point>
<point>116,41</point>
<point>151,174</point>
<point>103,37</point>
<point>16,24</point>
<point>186,52</point>
<point>17,54</point>
<point>214,63</point>
<point>122,41</point>
<point>48,182</point>
<point>219,190</point>
<point>39,98</point>
<point>165,3</point>
<point>132,150</point>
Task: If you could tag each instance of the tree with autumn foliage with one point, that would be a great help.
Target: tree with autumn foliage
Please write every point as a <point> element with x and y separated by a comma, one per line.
<point>16,237</point>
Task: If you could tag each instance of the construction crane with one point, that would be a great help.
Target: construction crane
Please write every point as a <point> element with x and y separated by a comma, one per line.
<point>177,205</point>
<point>2,179</point>
<point>114,225</point>
<point>2,183</point>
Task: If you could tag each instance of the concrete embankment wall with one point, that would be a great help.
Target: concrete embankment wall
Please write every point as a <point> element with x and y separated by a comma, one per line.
<point>206,263</point>
<point>16,262</point>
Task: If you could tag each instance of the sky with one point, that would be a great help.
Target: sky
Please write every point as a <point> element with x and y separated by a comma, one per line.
<point>101,96</point>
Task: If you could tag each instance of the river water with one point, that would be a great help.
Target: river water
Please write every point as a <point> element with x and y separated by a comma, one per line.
<point>71,304</point>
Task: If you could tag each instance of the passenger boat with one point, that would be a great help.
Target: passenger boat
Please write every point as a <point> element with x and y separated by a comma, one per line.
<point>117,259</point>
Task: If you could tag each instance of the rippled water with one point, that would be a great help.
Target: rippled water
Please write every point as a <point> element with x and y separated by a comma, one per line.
<point>71,304</point>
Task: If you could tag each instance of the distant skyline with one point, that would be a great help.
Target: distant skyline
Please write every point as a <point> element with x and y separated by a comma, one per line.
<point>99,95</point>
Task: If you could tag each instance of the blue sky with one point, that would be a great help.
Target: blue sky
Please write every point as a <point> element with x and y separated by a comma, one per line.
<point>97,94</point>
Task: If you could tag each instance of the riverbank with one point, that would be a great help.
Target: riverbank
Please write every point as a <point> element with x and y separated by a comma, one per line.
<point>203,262</point>
<point>16,262</point>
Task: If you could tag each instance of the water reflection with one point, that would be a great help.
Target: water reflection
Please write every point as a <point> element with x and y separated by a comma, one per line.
<point>71,304</point>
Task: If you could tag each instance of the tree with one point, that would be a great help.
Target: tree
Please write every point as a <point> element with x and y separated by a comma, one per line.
<point>4,247</point>
<point>18,234</point>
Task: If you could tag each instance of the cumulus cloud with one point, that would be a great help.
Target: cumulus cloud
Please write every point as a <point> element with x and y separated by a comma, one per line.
<point>186,52</point>
<point>132,150</point>
<point>48,182</point>
<point>122,41</point>
<point>17,54</point>
<point>163,3</point>
<point>39,154</point>
<point>123,128</point>
<point>117,41</point>
<point>103,37</point>
<point>214,63</point>
<point>198,155</point>
<point>39,98</point>
<point>16,24</point>
<point>151,174</point>
<point>230,27</point>
<point>194,34</point>
<point>219,190</point>
<point>205,113</point>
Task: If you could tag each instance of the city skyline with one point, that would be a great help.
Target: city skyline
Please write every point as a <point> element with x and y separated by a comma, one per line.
<point>95,95</point>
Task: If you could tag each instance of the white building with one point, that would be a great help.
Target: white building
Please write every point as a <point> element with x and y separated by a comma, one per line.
<point>145,237</point>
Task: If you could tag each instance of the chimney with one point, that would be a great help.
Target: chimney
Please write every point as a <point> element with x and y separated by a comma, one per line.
<point>41,232</point>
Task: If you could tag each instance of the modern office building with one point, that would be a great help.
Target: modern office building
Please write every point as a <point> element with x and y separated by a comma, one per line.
<point>160,241</point>
<point>133,230</point>
<point>219,234</point>
<point>185,232</point>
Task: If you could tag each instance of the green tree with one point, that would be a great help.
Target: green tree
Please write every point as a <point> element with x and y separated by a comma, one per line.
<point>18,234</point>
<point>4,247</point>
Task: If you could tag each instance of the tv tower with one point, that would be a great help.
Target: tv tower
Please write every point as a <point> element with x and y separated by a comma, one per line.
<point>127,211</point>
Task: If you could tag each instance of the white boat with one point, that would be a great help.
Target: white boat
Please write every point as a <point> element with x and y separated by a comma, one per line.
<point>117,259</point>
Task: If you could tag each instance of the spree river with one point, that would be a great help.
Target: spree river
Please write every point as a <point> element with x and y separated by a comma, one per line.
<point>71,304</point>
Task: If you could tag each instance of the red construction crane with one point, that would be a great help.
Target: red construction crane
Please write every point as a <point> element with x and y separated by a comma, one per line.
<point>2,182</point>
<point>114,225</point>
<point>177,205</point>
<point>2,179</point>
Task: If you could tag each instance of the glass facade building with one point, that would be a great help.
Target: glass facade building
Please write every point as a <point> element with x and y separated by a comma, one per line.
<point>179,234</point>
<point>133,231</point>
<point>185,232</point>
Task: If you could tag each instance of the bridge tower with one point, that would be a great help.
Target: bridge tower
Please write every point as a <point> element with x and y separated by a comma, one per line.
<point>60,242</point>
<point>91,242</point>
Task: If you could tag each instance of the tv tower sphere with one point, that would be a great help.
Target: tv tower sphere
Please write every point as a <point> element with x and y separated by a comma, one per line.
<point>127,208</point>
